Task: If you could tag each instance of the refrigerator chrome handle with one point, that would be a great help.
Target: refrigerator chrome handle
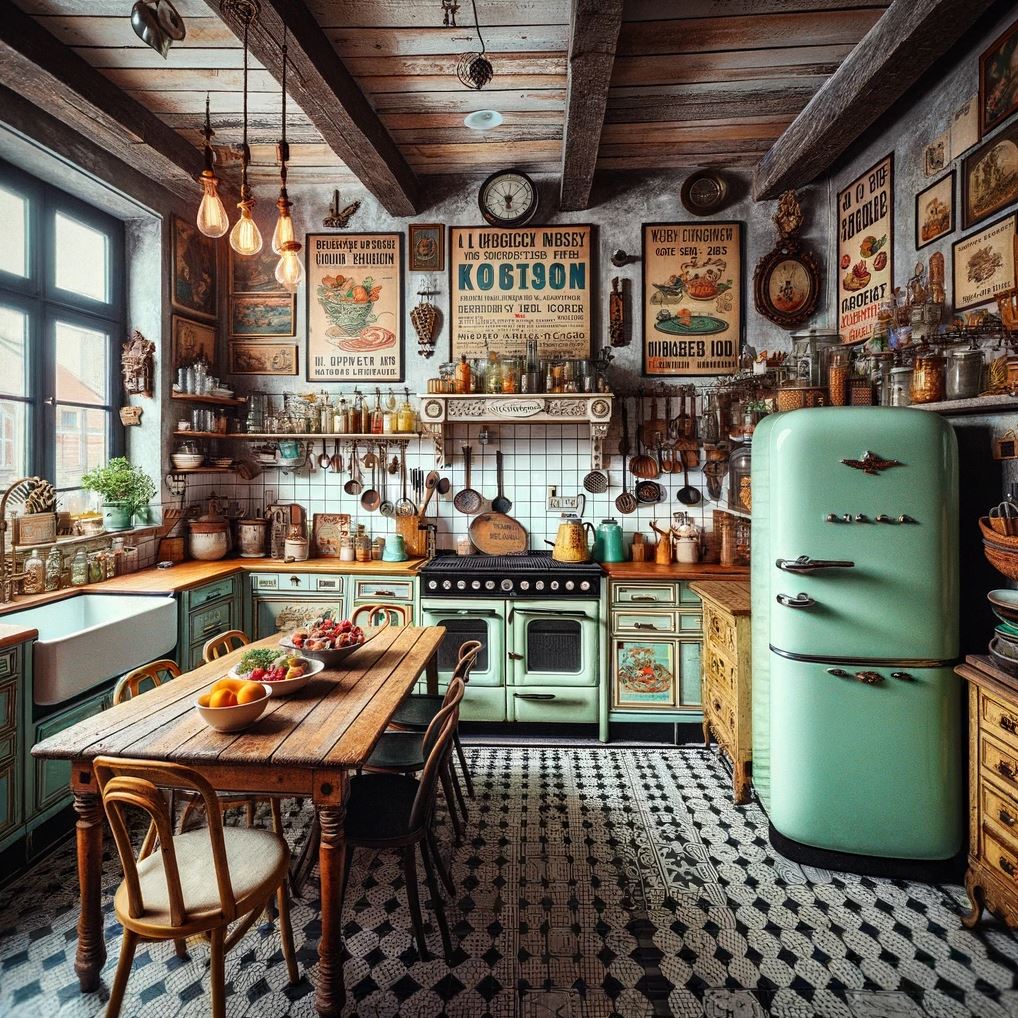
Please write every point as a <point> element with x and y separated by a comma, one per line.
<point>534,696</point>
<point>799,600</point>
<point>805,564</point>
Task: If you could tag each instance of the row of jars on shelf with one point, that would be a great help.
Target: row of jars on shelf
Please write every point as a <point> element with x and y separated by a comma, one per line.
<point>46,575</point>
<point>311,415</point>
<point>497,375</point>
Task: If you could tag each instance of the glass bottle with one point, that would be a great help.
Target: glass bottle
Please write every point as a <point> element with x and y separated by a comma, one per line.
<point>406,418</point>
<point>377,415</point>
<point>493,374</point>
<point>341,418</point>
<point>357,415</point>
<point>928,377</point>
<point>35,574</point>
<point>95,568</point>
<point>54,567</point>
<point>838,370</point>
<point>461,380</point>
<point>79,569</point>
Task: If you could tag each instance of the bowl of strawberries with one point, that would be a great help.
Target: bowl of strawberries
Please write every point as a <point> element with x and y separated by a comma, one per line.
<point>326,640</point>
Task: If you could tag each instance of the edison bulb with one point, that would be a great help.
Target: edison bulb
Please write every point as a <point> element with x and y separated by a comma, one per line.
<point>212,219</point>
<point>289,270</point>
<point>245,237</point>
<point>283,233</point>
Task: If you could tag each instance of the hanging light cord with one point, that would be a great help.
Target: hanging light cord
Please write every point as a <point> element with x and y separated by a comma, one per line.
<point>477,25</point>
<point>247,154</point>
<point>283,151</point>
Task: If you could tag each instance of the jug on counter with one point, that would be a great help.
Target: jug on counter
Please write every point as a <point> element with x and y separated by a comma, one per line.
<point>570,544</point>
<point>608,545</point>
<point>687,537</point>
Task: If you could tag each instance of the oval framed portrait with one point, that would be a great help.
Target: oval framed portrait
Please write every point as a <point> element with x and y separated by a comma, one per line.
<point>786,285</point>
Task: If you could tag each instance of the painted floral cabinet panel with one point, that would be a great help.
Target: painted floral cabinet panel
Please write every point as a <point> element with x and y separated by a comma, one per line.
<point>656,674</point>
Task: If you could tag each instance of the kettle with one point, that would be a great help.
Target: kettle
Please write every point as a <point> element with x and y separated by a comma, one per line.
<point>608,542</point>
<point>570,543</point>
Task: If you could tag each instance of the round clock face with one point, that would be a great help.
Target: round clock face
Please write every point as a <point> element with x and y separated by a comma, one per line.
<point>508,198</point>
<point>703,192</point>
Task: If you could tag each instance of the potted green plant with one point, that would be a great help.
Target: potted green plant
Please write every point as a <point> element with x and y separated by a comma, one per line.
<point>124,489</point>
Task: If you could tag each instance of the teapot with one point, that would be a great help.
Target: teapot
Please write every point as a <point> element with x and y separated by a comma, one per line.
<point>570,544</point>
<point>608,542</point>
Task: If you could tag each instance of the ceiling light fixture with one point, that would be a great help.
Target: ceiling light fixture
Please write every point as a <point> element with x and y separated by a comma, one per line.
<point>212,218</point>
<point>474,69</point>
<point>289,270</point>
<point>157,24</point>
<point>483,120</point>
<point>245,237</point>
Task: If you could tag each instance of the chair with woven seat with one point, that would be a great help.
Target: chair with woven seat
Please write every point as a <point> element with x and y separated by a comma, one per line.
<point>155,673</point>
<point>194,884</point>
<point>223,644</point>
<point>387,810</point>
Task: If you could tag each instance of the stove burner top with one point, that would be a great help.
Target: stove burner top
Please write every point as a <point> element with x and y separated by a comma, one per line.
<point>534,574</point>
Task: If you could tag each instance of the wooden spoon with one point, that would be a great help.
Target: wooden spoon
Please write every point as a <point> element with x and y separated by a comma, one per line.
<point>430,484</point>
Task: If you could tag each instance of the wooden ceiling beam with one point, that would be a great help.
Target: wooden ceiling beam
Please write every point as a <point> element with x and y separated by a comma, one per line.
<point>49,74</point>
<point>324,89</point>
<point>593,35</point>
<point>902,46</point>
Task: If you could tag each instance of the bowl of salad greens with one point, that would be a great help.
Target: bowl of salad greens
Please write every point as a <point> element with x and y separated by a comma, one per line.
<point>282,673</point>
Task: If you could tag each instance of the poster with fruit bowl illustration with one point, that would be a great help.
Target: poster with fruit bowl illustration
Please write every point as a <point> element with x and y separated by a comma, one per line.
<point>865,249</point>
<point>354,307</point>
<point>644,674</point>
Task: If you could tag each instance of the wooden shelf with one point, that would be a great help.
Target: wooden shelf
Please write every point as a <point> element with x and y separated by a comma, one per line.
<point>202,470</point>
<point>188,397</point>
<point>988,405</point>
<point>279,436</point>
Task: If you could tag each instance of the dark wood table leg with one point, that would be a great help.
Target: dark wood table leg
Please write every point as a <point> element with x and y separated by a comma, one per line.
<point>91,955</point>
<point>330,994</point>
<point>431,675</point>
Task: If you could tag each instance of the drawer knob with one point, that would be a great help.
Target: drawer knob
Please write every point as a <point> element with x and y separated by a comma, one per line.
<point>1006,769</point>
<point>1008,867</point>
<point>648,625</point>
<point>644,597</point>
<point>1009,724</point>
<point>1005,818</point>
<point>295,581</point>
<point>384,593</point>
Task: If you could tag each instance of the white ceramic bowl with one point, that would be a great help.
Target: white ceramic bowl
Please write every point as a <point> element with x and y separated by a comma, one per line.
<point>186,460</point>
<point>328,658</point>
<point>234,719</point>
<point>285,687</point>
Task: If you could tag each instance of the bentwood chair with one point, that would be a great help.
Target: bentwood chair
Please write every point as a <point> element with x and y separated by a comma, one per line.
<point>196,883</point>
<point>396,811</point>
<point>223,644</point>
<point>399,613</point>
<point>155,673</point>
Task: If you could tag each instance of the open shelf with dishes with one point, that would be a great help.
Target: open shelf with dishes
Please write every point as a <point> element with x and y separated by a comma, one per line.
<point>303,436</point>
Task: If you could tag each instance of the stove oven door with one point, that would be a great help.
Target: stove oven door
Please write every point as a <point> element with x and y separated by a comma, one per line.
<point>472,620</point>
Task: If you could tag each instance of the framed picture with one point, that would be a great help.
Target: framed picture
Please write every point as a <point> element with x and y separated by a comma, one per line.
<point>327,532</point>
<point>989,177</point>
<point>983,264</point>
<point>786,284</point>
<point>255,273</point>
<point>263,315</point>
<point>645,674</point>
<point>191,341</point>
<point>965,127</point>
<point>508,286</point>
<point>263,358</point>
<point>937,155</point>
<point>865,249</point>
<point>998,80</point>
<point>692,298</point>
<point>427,250</point>
<point>934,211</point>
<point>354,307</point>
<point>194,269</point>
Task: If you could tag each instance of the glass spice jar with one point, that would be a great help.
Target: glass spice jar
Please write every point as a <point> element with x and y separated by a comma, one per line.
<point>964,372</point>
<point>899,385</point>
<point>927,377</point>
<point>838,371</point>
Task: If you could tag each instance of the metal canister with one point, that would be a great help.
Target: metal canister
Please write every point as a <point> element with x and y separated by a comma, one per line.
<point>900,387</point>
<point>964,372</point>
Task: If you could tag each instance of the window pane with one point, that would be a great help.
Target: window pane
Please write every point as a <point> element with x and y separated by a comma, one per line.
<point>13,441</point>
<point>81,359</point>
<point>81,259</point>
<point>13,344</point>
<point>81,442</point>
<point>14,220</point>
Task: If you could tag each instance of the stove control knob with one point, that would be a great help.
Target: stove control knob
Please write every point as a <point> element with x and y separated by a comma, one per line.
<point>553,585</point>
<point>432,584</point>
<point>489,584</point>
<point>506,584</point>
<point>846,518</point>
<point>585,585</point>
<point>461,584</point>
<point>539,585</point>
<point>905,518</point>
<point>570,585</point>
<point>832,518</point>
<point>476,585</point>
<point>447,584</point>
<point>861,518</point>
<point>525,584</point>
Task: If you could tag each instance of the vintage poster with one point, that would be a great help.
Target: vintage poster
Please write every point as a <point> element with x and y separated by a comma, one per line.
<point>510,285</point>
<point>865,249</point>
<point>263,359</point>
<point>263,315</point>
<point>984,263</point>
<point>354,307</point>
<point>989,177</point>
<point>194,269</point>
<point>692,298</point>
<point>964,127</point>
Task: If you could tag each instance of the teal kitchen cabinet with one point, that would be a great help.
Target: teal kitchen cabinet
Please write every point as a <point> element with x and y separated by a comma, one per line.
<point>280,602</point>
<point>207,611</point>
<point>15,685</point>
<point>400,592</point>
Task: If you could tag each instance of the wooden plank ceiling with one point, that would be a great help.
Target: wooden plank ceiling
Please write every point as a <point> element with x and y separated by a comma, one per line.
<point>695,82</point>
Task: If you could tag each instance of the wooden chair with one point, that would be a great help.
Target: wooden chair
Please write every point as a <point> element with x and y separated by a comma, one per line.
<point>401,612</point>
<point>395,811</point>
<point>155,672</point>
<point>223,644</point>
<point>197,883</point>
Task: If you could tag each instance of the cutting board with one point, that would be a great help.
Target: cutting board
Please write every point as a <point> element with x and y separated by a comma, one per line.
<point>498,534</point>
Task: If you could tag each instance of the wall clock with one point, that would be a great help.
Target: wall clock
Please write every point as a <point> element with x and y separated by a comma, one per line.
<point>508,198</point>
<point>703,192</point>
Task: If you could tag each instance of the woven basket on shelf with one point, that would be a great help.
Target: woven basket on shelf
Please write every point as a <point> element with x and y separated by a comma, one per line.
<point>1003,559</point>
<point>990,534</point>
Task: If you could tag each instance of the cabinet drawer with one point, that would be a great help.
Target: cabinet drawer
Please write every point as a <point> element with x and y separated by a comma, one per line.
<point>1000,763</point>
<point>662,594</point>
<point>720,672</point>
<point>662,623</point>
<point>571,704</point>
<point>687,597</point>
<point>720,629</point>
<point>723,720</point>
<point>1002,859</point>
<point>52,777</point>
<point>292,581</point>
<point>1000,720</point>
<point>10,800</point>
<point>8,744</point>
<point>202,596</point>
<point>1000,810</point>
<point>329,584</point>
<point>383,590</point>
<point>8,704</point>
<point>210,621</point>
<point>10,661</point>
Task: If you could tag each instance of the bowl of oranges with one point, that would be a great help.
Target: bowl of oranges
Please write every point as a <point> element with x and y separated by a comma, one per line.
<point>230,705</point>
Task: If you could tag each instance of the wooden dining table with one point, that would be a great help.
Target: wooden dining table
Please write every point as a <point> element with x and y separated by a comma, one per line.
<point>303,745</point>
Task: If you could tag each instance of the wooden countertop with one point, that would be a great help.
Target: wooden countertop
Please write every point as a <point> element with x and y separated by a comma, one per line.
<point>676,571</point>
<point>731,596</point>
<point>12,635</point>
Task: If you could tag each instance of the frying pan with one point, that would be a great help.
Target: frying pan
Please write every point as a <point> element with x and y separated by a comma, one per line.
<point>500,503</point>
<point>467,500</point>
<point>648,492</point>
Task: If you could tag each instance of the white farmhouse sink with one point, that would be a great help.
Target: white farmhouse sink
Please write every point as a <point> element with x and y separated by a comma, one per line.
<point>90,638</point>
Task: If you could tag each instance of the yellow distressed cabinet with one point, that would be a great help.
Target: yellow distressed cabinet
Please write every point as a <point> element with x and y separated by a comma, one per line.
<point>727,674</point>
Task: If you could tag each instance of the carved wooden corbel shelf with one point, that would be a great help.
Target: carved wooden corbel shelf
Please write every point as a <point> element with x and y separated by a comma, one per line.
<point>438,410</point>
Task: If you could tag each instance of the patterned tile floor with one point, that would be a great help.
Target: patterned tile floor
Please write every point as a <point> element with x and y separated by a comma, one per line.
<point>593,883</point>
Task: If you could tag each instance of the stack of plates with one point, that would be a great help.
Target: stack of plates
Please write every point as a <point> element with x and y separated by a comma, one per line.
<point>1004,645</point>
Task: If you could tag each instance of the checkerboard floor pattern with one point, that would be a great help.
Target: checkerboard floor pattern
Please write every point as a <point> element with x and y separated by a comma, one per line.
<point>591,883</point>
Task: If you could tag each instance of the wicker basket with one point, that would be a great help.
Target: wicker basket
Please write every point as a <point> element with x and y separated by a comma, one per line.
<point>990,533</point>
<point>1003,559</point>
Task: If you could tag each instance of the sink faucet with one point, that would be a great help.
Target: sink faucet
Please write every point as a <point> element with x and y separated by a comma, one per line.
<point>9,577</point>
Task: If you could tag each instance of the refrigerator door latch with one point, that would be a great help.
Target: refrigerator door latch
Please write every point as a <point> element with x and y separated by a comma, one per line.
<point>799,600</point>
<point>870,678</point>
<point>904,676</point>
<point>805,564</point>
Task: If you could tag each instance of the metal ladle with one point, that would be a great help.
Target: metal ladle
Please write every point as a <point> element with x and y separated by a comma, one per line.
<point>687,494</point>
<point>371,499</point>
<point>354,485</point>
<point>325,460</point>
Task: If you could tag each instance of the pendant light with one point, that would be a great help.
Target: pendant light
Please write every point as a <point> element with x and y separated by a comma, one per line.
<point>289,270</point>
<point>245,237</point>
<point>212,219</point>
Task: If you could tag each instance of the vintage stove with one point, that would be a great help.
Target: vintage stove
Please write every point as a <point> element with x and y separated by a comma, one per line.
<point>534,575</point>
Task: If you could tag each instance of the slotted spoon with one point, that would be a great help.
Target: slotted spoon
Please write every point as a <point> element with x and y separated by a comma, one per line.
<point>596,482</point>
<point>625,502</point>
<point>387,509</point>
<point>404,507</point>
<point>467,500</point>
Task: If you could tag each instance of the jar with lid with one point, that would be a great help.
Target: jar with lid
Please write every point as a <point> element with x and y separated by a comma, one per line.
<point>362,544</point>
<point>295,546</point>
<point>79,569</point>
<point>347,552</point>
<point>95,568</point>
<point>462,377</point>
<point>406,418</point>
<point>928,377</point>
<point>964,372</point>
<point>839,366</point>
<point>899,387</point>
<point>493,374</point>
<point>739,479</point>
<point>54,569</point>
<point>35,574</point>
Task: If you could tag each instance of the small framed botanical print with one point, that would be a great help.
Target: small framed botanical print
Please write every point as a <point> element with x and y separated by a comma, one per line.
<point>427,252</point>
<point>983,263</point>
<point>934,211</point>
<point>989,177</point>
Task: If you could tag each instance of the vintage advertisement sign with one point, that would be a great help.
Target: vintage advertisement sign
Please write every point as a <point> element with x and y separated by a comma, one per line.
<point>692,298</point>
<point>510,285</point>
<point>865,249</point>
<point>984,263</point>
<point>354,307</point>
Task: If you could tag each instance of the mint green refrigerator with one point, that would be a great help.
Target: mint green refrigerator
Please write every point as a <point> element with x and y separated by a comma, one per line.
<point>857,712</point>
